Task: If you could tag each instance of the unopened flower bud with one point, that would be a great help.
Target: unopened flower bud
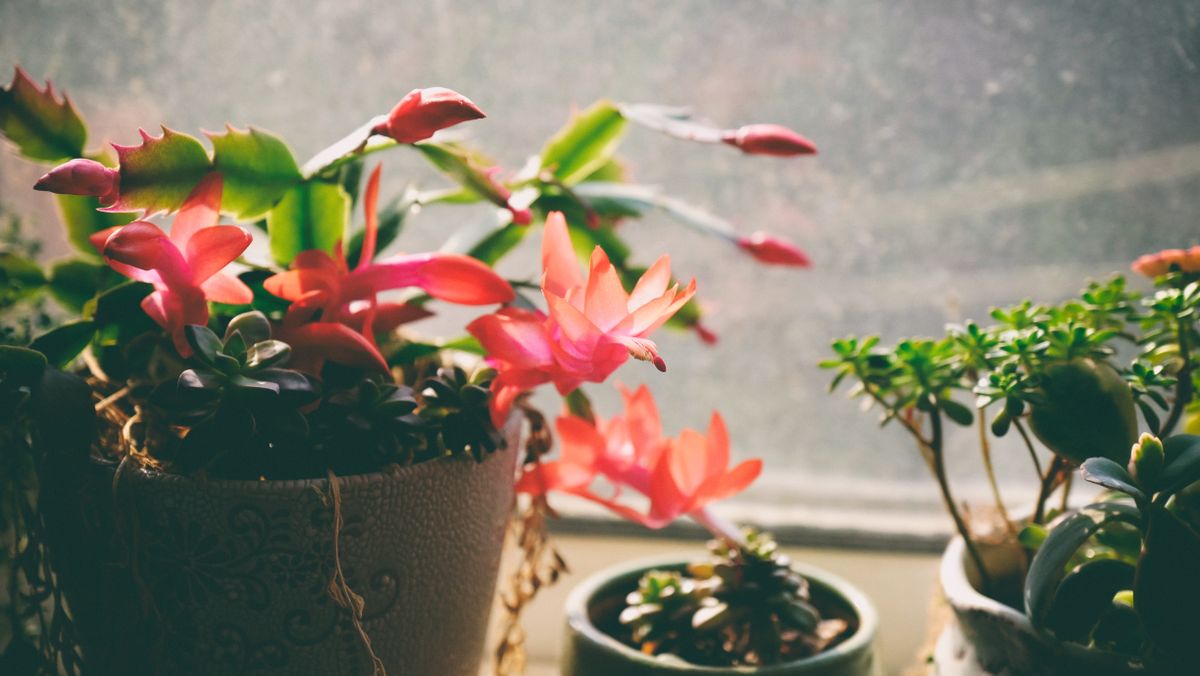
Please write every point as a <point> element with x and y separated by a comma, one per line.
<point>81,177</point>
<point>773,250</point>
<point>423,112</point>
<point>769,139</point>
<point>1146,460</point>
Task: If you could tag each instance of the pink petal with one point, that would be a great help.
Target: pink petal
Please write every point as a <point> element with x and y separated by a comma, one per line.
<point>561,267</point>
<point>606,302</point>
<point>453,278</point>
<point>515,336</point>
<point>652,284</point>
<point>225,288</point>
<point>422,112</point>
<point>553,476</point>
<point>200,210</point>
<point>387,316</point>
<point>370,201</point>
<point>641,416</point>
<point>144,246</point>
<point>300,282</point>
<point>718,444</point>
<point>687,460</point>
<point>338,343</point>
<point>210,249</point>
<point>727,484</point>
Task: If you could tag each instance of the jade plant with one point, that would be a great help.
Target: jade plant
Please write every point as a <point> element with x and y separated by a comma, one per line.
<point>1071,377</point>
<point>742,606</point>
<point>1120,575</point>
<point>208,356</point>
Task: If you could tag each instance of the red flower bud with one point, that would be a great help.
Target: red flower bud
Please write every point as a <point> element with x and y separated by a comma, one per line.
<point>773,251</point>
<point>81,177</point>
<point>769,139</point>
<point>425,111</point>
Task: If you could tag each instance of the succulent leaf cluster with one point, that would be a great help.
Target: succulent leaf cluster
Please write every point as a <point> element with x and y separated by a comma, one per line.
<point>1119,576</point>
<point>743,606</point>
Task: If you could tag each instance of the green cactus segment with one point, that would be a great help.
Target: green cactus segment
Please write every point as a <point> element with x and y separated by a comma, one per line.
<point>1086,411</point>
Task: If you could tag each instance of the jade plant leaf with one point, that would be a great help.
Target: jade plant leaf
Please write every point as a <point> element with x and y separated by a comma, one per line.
<point>21,364</point>
<point>312,215</point>
<point>585,144</point>
<point>1182,463</point>
<point>42,126</point>
<point>1048,567</point>
<point>1166,589</point>
<point>257,167</point>
<point>158,174</point>
<point>82,218</point>
<point>64,343</point>
<point>1087,411</point>
<point>1111,475</point>
<point>1085,595</point>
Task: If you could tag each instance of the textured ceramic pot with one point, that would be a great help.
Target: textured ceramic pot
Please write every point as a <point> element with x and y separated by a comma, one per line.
<point>993,638</point>
<point>588,651</point>
<point>232,577</point>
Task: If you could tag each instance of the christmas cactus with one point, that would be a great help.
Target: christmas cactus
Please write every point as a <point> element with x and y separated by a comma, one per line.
<point>230,318</point>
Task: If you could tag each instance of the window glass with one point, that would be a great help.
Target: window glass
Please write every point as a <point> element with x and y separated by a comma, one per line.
<point>973,153</point>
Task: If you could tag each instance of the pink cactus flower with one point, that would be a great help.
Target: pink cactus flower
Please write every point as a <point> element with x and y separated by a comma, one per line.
<point>323,288</point>
<point>184,266</point>
<point>679,476</point>
<point>1157,264</point>
<point>592,327</point>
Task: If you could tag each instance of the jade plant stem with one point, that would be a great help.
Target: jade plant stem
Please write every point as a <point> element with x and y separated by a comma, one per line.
<point>931,449</point>
<point>939,465</point>
<point>1183,389</point>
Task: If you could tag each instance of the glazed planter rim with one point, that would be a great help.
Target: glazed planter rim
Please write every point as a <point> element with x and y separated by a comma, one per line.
<point>578,619</point>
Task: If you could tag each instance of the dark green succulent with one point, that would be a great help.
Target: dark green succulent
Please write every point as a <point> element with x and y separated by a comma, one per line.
<point>744,606</point>
<point>236,397</point>
<point>1120,576</point>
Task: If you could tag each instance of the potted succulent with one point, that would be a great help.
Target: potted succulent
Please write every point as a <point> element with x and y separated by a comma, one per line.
<point>232,453</point>
<point>1058,375</point>
<point>744,609</point>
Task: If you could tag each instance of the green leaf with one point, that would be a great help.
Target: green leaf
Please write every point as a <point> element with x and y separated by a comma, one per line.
<point>464,169</point>
<point>499,242</point>
<point>20,278</point>
<point>1182,467</point>
<point>257,167</point>
<point>161,172</point>
<point>64,343</point>
<point>267,353</point>
<point>253,326</point>
<point>42,127</point>
<point>585,144</point>
<point>312,215</point>
<point>73,282</point>
<point>639,199</point>
<point>580,405</point>
<point>956,412</point>
<point>205,344</point>
<point>1048,567</point>
<point>1111,475</point>
<point>1166,589</point>
<point>21,364</point>
<point>1087,411</point>
<point>1085,595</point>
<point>82,219</point>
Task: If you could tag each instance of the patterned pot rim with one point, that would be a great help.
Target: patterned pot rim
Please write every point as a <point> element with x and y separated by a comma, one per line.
<point>393,472</point>
<point>583,595</point>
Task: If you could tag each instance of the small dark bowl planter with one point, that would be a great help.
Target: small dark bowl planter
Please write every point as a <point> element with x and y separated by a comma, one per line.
<point>589,651</point>
<point>232,577</point>
<point>994,638</point>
